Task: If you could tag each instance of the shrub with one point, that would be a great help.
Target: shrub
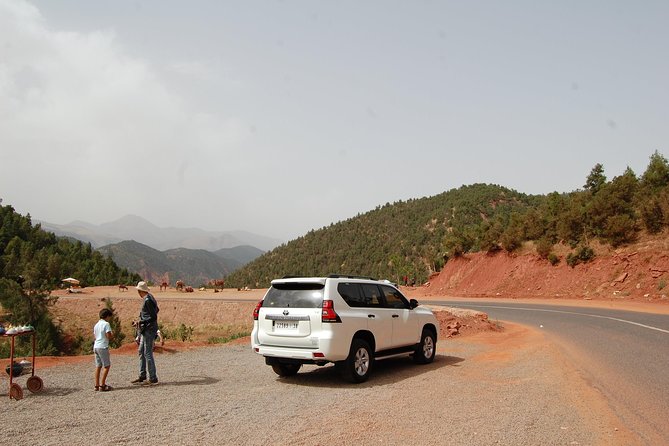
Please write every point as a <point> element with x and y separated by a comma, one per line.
<point>582,255</point>
<point>30,306</point>
<point>544,247</point>
<point>182,333</point>
<point>226,339</point>
<point>511,240</point>
<point>652,216</point>
<point>115,323</point>
<point>620,229</point>
<point>585,254</point>
<point>553,259</point>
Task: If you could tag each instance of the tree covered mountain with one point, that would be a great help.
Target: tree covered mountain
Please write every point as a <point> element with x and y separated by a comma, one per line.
<point>32,263</point>
<point>416,237</point>
<point>194,266</point>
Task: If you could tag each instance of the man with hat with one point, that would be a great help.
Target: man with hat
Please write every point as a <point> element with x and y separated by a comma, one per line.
<point>147,327</point>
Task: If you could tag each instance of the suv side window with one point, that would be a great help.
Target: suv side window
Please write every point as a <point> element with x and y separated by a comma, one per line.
<point>372,295</point>
<point>351,294</point>
<point>394,299</point>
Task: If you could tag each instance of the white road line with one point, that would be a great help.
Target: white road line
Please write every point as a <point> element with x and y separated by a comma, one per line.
<point>650,327</point>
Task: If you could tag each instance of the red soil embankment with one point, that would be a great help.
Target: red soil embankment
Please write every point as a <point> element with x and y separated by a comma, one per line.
<point>639,272</point>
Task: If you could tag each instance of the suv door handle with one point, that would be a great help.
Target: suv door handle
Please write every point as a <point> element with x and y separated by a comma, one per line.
<point>396,315</point>
<point>371,315</point>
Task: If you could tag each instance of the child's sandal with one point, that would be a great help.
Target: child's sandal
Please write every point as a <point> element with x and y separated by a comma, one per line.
<point>105,388</point>
<point>97,388</point>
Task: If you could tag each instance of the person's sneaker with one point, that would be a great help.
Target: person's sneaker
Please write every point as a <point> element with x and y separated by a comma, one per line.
<point>151,382</point>
<point>138,381</point>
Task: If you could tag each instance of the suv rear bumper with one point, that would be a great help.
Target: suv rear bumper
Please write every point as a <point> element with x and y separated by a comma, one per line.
<point>289,353</point>
<point>322,354</point>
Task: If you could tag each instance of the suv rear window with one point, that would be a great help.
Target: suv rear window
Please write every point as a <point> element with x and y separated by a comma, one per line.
<point>295,295</point>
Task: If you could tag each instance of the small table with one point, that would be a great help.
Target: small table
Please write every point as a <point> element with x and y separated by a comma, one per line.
<point>34,383</point>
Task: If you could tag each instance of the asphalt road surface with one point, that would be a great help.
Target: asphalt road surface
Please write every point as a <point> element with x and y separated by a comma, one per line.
<point>623,354</point>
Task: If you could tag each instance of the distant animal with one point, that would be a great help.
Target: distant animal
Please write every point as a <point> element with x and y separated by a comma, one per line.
<point>122,288</point>
<point>217,283</point>
<point>180,285</point>
<point>163,286</point>
<point>188,289</point>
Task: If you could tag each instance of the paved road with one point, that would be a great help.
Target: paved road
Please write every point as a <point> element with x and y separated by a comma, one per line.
<point>623,354</point>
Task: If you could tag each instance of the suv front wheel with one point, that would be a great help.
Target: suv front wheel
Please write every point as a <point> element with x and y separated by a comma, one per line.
<point>357,367</point>
<point>427,348</point>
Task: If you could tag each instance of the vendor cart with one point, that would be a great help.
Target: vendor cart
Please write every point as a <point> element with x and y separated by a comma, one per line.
<point>34,383</point>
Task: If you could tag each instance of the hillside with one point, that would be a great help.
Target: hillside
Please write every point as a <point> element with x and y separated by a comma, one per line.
<point>194,266</point>
<point>394,240</point>
<point>416,238</point>
<point>638,272</point>
<point>241,254</point>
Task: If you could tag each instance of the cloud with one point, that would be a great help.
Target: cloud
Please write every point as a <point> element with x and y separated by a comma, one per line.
<point>195,69</point>
<point>80,116</point>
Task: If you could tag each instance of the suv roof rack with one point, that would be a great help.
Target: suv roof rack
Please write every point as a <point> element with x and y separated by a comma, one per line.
<point>349,276</point>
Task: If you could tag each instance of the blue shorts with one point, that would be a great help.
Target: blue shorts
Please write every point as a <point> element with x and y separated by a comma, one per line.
<point>102,357</point>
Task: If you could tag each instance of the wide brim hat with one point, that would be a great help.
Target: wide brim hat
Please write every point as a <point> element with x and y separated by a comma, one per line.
<point>142,286</point>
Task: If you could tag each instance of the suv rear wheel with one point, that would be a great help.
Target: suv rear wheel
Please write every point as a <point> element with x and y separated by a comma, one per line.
<point>357,367</point>
<point>286,369</point>
<point>427,348</point>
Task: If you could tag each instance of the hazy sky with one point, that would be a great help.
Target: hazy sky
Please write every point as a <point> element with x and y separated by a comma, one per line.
<point>278,117</point>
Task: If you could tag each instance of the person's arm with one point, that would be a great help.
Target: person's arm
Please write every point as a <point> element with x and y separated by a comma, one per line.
<point>109,333</point>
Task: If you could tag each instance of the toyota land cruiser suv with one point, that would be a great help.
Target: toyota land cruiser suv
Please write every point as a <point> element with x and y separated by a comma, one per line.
<point>348,321</point>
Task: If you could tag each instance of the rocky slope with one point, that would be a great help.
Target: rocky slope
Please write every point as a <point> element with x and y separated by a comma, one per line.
<point>635,272</point>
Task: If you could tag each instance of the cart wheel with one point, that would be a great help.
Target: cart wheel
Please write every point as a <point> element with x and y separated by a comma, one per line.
<point>15,392</point>
<point>35,384</point>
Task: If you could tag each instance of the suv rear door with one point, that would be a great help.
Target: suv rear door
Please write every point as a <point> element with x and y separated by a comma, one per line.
<point>379,321</point>
<point>290,313</point>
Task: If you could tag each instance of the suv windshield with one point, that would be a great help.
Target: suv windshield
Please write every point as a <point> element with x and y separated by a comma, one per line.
<point>295,295</point>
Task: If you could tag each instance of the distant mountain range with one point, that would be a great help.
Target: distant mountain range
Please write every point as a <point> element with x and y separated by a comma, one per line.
<point>194,266</point>
<point>132,227</point>
<point>193,255</point>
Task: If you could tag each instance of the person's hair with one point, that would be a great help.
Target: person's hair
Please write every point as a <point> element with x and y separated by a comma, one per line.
<point>105,313</point>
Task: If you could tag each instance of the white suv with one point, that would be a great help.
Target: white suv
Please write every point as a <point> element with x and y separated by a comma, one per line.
<point>349,321</point>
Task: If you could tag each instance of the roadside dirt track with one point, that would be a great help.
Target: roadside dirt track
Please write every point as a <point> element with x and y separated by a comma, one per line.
<point>490,388</point>
<point>512,387</point>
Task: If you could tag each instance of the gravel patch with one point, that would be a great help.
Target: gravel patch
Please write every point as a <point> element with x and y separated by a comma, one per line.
<point>474,393</point>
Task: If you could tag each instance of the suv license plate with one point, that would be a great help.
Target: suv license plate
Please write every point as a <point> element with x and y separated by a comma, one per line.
<point>283,325</point>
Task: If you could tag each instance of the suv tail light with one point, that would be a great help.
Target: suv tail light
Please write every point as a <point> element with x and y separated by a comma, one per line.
<point>257,310</point>
<point>329,314</point>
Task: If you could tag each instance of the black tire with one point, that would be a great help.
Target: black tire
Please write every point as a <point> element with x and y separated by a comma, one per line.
<point>357,367</point>
<point>286,369</point>
<point>427,348</point>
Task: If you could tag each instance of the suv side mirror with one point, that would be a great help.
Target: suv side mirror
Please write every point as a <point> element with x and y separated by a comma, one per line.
<point>413,303</point>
